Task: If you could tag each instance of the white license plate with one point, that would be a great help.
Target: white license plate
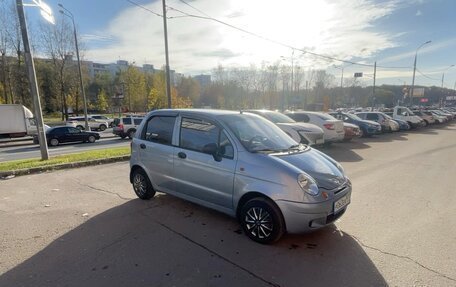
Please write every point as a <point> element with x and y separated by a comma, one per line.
<point>341,203</point>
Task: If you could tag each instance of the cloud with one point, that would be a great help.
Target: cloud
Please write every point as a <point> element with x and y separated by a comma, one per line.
<point>418,13</point>
<point>198,45</point>
<point>431,47</point>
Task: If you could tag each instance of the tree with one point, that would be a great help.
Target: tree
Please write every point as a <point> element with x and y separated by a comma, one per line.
<point>189,88</point>
<point>102,102</point>
<point>134,83</point>
<point>58,43</point>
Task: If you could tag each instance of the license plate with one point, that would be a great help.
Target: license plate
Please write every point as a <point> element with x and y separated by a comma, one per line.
<point>341,203</point>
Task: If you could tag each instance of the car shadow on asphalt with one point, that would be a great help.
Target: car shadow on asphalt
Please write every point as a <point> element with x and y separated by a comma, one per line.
<point>170,242</point>
<point>343,152</point>
<point>387,137</point>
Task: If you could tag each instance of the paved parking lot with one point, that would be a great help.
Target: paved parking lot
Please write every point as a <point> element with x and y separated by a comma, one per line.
<point>85,227</point>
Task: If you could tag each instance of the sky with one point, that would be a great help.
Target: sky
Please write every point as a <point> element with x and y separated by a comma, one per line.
<point>285,31</point>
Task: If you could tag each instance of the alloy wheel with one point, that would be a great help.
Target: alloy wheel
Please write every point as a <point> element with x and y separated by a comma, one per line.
<point>258,222</point>
<point>140,184</point>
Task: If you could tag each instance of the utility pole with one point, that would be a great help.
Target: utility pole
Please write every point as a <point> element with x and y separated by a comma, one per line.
<point>168,77</point>
<point>307,94</point>
<point>373,87</point>
<point>33,83</point>
<point>414,70</point>
<point>67,13</point>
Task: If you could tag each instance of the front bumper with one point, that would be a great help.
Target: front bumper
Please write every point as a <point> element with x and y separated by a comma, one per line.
<point>314,138</point>
<point>304,217</point>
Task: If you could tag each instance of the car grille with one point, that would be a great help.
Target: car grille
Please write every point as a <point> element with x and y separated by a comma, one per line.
<point>342,188</point>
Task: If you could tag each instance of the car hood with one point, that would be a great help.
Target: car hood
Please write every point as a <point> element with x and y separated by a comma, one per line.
<point>319,166</point>
<point>349,125</point>
<point>302,127</point>
<point>371,122</point>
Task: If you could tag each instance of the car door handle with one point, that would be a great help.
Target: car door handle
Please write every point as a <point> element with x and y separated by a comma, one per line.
<point>143,146</point>
<point>182,155</point>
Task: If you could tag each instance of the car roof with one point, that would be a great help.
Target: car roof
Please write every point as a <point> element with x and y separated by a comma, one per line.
<point>205,112</point>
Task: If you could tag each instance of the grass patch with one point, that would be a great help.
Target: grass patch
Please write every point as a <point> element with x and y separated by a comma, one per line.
<point>67,158</point>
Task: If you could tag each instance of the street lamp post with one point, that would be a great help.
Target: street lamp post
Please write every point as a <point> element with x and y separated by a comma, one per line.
<point>414,70</point>
<point>443,78</point>
<point>46,12</point>
<point>67,13</point>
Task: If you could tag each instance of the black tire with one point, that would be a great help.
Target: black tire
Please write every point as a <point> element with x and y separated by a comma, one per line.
<point>54,142</point>
<point>361,133</point>
<point>102,127</point>
<point>131,134</point>
<point>91,139</point>
<point>123,136</point>
<point>262,220</point>
<point>79,127</point>
<point>142,185</point>
<point>426,123</point>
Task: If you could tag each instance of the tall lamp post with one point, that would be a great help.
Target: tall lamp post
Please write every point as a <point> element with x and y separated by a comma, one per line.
<point>292,76</point>
<point>414,70</point>
<point>46,13</point>
<point>443,78</point>
<point>341,77</point>
<point>67,13</point>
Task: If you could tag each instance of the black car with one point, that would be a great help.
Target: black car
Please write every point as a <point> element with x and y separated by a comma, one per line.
<point>57,135</point>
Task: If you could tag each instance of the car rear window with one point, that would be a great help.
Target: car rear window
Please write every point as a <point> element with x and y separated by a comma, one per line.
<point>159,129</point>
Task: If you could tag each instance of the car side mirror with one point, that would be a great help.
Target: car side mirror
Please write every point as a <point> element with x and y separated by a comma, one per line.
<point>213,150</point>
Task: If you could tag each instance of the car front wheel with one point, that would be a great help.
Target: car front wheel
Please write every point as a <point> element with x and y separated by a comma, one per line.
<point>262,220</point>
<point>141,185</point>
<point>91,139</point>
<point>54,142</point>
<point>102,127</point>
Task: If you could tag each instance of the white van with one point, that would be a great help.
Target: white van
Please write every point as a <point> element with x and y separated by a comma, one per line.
<point>405,114</point>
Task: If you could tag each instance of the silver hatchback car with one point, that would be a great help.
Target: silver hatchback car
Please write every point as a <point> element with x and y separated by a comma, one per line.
<point>240,164</point>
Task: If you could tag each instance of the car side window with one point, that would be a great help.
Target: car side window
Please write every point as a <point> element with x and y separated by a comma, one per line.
<point>198,134</point>
<point>300,118</point>
<point>225,146</point>
<point>60,131</point>
<point>73,131</point>
<point>126,121</point>
<point>159,129</point>
<point>372,117</point>
<point>137,122</point>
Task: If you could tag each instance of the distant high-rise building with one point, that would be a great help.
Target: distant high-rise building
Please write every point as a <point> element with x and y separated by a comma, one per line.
<point>203,80</point>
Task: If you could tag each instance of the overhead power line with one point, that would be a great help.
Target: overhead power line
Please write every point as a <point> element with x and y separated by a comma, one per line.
<point>210,18</point>
<point>426,76</point>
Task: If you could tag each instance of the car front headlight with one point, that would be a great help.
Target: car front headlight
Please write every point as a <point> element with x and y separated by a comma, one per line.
<point>308,184</point>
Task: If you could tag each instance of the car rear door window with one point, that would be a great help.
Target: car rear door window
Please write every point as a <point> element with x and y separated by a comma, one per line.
<point>196,134</point>
<point>137,122</point>
<point>372,117</point>
<point>126,121</point>
<point>159,129</point>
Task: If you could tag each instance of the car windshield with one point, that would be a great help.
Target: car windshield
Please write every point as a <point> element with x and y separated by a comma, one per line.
<point>353,117</point>
<point>257,134</point>
<point>276,117</point>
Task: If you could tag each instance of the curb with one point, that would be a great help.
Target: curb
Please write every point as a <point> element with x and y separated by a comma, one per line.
<point>13,173</point>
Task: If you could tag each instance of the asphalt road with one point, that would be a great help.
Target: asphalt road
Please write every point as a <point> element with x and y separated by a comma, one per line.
<point>26,149</point>
<point>84,227</point>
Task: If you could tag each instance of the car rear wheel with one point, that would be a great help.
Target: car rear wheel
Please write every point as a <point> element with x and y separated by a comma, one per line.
<point>102,127</point>
<point>54,142</point>
<point>131,134</point>
<point>142,185</point>
<point>91,139</point>
<point>262,220</point>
